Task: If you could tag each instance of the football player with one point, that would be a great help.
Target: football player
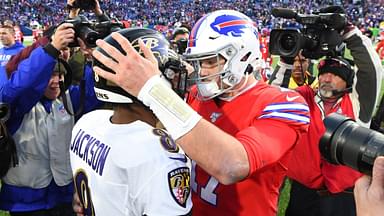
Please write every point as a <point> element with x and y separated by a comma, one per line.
<point>242,131</point>
<point>123,163</point>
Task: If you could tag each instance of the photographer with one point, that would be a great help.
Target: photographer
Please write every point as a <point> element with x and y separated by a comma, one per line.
<point>41,127</point>
<point>369,191</point>
<point>179,39</point>
<point>297,74</point>
<point>318,187</point>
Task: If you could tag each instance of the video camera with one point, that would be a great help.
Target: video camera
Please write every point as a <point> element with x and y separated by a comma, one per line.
<point>89,32</point>
<point>318,37</point>
<point>347,143</point>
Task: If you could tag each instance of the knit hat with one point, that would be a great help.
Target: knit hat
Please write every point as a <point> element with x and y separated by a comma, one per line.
<point>339,67</point>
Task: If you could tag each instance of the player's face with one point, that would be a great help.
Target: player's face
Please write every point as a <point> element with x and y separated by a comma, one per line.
<point>6,37</point>
<point>328,82</point>
<point>53,90</point>
<point>211,67</point>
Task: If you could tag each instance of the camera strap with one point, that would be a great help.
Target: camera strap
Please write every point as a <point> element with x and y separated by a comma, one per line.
<point>64,85</point>
<point>8,152</point>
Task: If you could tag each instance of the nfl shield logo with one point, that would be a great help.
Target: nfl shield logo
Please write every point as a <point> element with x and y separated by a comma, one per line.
<point>178,181</point>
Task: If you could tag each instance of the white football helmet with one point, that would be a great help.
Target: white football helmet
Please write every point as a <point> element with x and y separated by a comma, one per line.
<point>231,35</point>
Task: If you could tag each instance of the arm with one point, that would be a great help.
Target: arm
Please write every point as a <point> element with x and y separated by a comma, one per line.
<point>73,12</point>
<point>282,74</point>
<point>365,94</point>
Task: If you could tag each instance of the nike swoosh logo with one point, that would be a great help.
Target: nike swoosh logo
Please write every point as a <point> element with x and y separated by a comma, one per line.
<point>292,98</point>
<point>183,159</point>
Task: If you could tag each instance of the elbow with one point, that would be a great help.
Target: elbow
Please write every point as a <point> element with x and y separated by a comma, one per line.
<point>233,173</point>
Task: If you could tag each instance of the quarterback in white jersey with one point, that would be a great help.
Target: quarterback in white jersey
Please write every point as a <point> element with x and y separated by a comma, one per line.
<point>122,163</point>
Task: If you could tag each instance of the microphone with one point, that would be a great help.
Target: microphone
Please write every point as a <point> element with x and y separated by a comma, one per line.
<point>342,91</point>
<point>284,13</point>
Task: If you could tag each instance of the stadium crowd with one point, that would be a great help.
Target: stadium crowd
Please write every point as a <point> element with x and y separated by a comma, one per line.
<point>169,13</point>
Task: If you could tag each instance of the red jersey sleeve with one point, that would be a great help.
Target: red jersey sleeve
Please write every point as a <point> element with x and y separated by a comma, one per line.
<point>283,118</point>
<point>266,142</point>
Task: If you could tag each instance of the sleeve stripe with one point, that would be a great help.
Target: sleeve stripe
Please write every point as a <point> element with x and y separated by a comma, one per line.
<point>288,106</point>
<point>287,116</point>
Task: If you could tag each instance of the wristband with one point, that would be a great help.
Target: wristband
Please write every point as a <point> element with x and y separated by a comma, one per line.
<point>176,116</point>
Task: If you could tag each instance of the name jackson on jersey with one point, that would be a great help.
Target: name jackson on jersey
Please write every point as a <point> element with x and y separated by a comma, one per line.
<point>90,150</point>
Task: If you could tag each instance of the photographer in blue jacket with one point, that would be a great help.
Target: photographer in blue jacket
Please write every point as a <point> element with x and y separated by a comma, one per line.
<point>41,125</point>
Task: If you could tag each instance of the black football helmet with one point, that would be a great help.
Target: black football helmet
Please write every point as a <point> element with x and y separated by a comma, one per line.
<point>169,64</point>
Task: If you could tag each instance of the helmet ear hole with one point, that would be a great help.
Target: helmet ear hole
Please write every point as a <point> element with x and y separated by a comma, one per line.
<point>245,57</point>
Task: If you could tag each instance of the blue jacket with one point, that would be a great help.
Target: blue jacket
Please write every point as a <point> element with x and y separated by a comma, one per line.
<point>5,55</point>
<point>22,92</point>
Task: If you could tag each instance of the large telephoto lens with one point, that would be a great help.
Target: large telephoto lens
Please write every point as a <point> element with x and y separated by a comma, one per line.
<point>347,143</point>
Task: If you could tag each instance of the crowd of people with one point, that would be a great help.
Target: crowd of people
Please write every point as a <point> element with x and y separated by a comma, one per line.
<point>167,14</point>
<point>190,124</point>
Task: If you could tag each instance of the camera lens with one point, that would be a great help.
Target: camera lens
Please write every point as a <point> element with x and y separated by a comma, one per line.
<point>288,42</point>
<point>89,36</point>
<point>347,143</point>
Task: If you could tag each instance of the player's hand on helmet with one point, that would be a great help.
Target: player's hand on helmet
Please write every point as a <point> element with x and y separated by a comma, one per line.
<point>131,70</point>
<point>63,35</point>
<point>76,205</point>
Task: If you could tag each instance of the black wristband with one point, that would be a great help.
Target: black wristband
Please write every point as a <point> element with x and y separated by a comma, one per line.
<point>51,50</point>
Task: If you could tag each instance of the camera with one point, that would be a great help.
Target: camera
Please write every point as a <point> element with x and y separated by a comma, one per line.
<point>180,45</point>
<point>89,32</point>
<point>318,37</point>
<point>84,4</point>
<point>347,143</point>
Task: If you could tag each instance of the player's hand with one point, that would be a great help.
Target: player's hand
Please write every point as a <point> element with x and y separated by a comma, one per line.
<point>369,192</point>
<point>131,70</point>
<point>64,35</point>
<point>76,205</point>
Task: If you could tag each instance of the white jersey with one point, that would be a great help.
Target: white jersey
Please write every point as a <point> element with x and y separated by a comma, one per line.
<point>128,169</point>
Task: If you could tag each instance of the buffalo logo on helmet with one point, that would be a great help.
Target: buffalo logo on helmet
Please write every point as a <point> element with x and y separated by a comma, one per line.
<point>231,25</point>
<point>179,186</point>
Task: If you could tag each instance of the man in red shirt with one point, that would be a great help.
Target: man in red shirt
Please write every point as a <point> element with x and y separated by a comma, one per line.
<point>320,188</point>
<point>242,134</point>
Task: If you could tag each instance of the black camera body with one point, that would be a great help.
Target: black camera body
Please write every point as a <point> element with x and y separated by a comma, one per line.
<point>89,32</point>
<point>5,112</point>
<point>84,4</point>
<point>318,37</point>
<point>347,143</point>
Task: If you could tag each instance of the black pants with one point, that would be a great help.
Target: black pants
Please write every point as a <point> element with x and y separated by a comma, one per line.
<point>307,202</point>
<point>60,210</point>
